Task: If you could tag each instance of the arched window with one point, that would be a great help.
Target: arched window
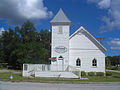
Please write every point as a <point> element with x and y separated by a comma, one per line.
<point>78,62</point>
<point>60,58</point>
<point>94,62</point>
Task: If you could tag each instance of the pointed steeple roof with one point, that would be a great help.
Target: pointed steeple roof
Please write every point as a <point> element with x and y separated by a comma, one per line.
<point>60,18</point>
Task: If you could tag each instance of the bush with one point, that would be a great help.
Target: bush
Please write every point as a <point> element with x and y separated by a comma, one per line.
<point>91,73</point>
<point>83,73</point>
<point>110,68</point>
<point>100,73</point>
<point>118,68</point>
<point>114,68</point>
<point>108,73</point>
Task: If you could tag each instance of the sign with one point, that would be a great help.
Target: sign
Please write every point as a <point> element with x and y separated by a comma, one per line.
<point>60,49</point>
<point>53,59</point>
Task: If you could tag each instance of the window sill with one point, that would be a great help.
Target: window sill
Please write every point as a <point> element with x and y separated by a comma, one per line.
<point>94,66</point>
<point>77,66</point>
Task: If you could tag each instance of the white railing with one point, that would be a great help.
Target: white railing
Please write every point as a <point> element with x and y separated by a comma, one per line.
<point>32,68</point>
<point>32,72</point>
<point>46,67</point>
<point>74,70</point>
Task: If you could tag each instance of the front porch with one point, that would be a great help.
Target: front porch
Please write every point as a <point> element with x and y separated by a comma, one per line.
<point>44,70</point>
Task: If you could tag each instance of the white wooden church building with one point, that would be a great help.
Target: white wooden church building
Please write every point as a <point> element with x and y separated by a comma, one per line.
<point>80,51</point>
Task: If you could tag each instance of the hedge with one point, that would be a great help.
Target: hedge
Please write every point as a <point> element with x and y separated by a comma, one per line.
<point>83,73</point>
<point>100,73</point>
<point>108,73</point>
<point>91,73</point>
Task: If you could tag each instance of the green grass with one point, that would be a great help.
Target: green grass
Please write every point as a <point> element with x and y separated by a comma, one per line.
<point>4,76</point>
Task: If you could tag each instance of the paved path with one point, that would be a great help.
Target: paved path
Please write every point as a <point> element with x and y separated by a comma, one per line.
<point>53,86</point>
<point>113,71</point>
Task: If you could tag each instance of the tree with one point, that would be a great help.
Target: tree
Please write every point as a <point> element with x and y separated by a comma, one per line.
<point>113,60</point>
<point>25,45</point>
<point>9,40</point>
<point>107,62</point>
<point>27,32</point>
<point>46,41</point>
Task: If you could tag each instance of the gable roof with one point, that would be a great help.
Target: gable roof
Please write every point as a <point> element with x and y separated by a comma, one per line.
<point>60,18</point>
<point>96,42</point>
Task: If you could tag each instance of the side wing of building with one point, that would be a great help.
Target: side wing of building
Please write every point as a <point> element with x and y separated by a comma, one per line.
<point>85,52</point>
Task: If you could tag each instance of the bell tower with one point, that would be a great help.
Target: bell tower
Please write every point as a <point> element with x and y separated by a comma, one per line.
<point>60,40</point>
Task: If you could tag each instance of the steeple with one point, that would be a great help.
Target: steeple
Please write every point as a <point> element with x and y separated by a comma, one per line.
<point>60,18</point>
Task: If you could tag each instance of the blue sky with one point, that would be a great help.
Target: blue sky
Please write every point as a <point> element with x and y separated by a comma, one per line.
<point>100,17</point>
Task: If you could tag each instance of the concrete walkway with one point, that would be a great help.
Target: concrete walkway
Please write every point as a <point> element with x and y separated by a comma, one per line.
<point>113,71</point>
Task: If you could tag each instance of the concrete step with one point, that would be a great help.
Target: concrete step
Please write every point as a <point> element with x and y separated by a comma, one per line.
<point>55,74</point>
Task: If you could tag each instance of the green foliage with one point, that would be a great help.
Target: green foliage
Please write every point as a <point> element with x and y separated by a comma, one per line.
<point>25,45</point>
<point>107,62</point>
<point>112,61</point>
<point>115,68</point>
<point>100,73</point>
<point>91,73</point>
<point>83,73</point>
<point>108,73</point>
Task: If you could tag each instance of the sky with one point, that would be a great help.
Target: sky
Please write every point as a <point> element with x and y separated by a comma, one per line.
<point>100,17</point>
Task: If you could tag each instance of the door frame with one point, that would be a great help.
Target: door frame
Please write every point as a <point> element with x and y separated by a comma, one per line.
<point>61,68</point>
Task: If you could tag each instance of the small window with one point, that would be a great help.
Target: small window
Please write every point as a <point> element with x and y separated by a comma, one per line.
<point>60,30</point>
<point>94,62</point>
<point>25,67</point>
<point>78,62</point>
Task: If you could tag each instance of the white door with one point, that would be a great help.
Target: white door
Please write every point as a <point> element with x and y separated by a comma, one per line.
<point>60,64</point>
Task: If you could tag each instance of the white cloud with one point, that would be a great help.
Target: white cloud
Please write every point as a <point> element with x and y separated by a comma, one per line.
<point>19,10</point>
<point>112,19</point>
<point>104,4</point>
<point>114,43</point>
<point>1,30</point>
<point>101,3</point>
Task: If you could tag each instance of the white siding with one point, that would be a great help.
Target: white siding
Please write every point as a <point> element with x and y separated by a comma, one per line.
<point>84,49</point>
<point>60,40</point>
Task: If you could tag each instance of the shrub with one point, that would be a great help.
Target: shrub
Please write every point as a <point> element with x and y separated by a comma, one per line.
<point>83,73</point>
<point>114,68</point>
<point>118,68</point>
<point>108,73</point>
<point>109,68</point>
<point>91,73</point>
<point>100,73</point>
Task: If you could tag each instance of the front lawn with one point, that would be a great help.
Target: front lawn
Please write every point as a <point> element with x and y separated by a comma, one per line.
<point>5,76</point>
